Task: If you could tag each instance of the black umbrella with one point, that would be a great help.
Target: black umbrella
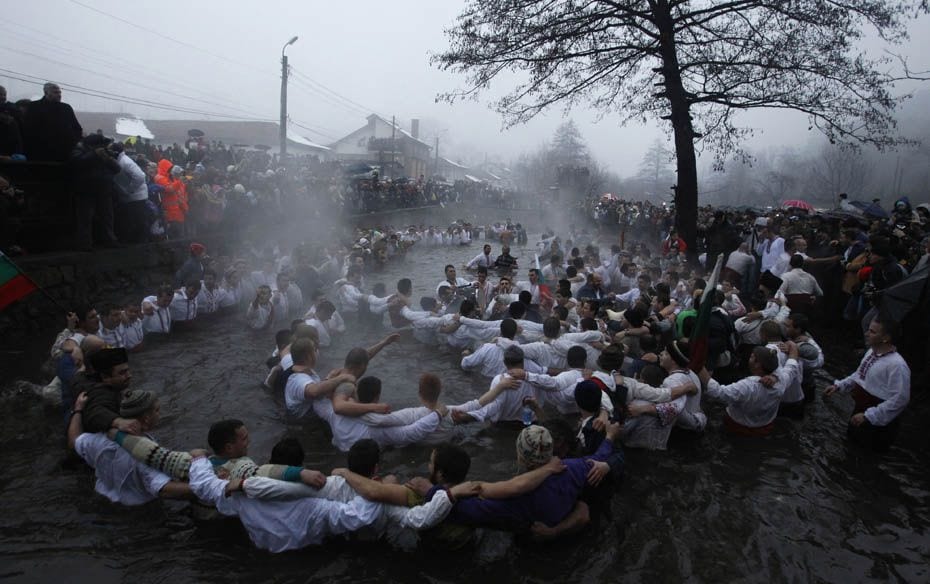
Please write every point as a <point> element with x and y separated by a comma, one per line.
<point>195,133</point>
<point>262,147</point>
<point>899,300</point>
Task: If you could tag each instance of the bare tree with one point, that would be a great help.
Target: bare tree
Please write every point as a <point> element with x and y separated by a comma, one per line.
<point>655,171</point>
<point>688,62</point>
<point>834,170</point>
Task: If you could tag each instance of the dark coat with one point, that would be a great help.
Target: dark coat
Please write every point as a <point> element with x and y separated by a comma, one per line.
<point>50,130</point>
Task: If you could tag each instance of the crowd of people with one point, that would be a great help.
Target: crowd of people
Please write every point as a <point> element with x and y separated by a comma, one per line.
<point>597,345</point>
<point>135,190</point>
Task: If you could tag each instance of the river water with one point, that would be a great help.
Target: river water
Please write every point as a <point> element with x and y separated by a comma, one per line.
<point>801,505</point>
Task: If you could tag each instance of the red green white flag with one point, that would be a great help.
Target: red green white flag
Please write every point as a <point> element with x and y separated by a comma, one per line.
<point>13,283</point>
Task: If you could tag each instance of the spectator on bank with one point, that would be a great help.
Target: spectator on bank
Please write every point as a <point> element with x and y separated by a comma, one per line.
<point>92,169</point>
<point>193,267</point>
<point>50,128</point>
<point>11,138</point>
<point>132,195</point>
<point>173,197</point>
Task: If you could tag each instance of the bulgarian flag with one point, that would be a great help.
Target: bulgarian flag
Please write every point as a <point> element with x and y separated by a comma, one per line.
<point>698,340</point>
<point>13,283</point>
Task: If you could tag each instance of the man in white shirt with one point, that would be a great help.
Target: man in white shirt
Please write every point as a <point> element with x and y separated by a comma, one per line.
<point>183,306</point>
<point>482,260</point>
<point>452,280</point>
<point>880,388</point>
<point>796,281</point>
<point>489,358</point>
<point>739,265</point>
<point>110,330</point>
<point>120,478</point>
<point>770,249</point>
<point>752,405</point>
<point>532,285</point>
<point>305,391</point>
<point>348,429</point>
<point>156,316</point>
<point>210,298</point>
<point>321,321</point>
<point>508,406</point>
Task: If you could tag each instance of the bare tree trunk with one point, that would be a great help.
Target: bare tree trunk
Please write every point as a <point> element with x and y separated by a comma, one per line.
<point>686,193</point>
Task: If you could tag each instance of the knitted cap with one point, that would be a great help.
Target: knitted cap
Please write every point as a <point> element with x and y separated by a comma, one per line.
<point>136,402</point>
<point>588,395</point>
<point>534,448</point>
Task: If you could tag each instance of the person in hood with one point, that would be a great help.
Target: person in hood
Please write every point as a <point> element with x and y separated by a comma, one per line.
<point>173,198</point>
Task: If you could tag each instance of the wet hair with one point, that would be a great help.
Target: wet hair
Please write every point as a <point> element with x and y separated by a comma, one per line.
<point>427,303</point>
<point>576,357</point>
<point>325,306</point>
<point>364,457</point>
<point>648,344</point>
<point>166,289</point>
<point>526,297</point>
<point>889,327</point>
<point>430,387</point>
<point>105,310</point>
<point>588,324</point>
<point>405,286</point>
<point>379,289</point>
<point>307,331</point>
<point>801,321</point>
<point>296,323</point>
<point>301,350</point>
<point>766,358</point>
<point>508,328</point>
<point>560,312</point>
<point>514,356</point>
<point>796,261</point>
<point>577,263</point>
<point>551,327</point>
<point>652,375</point>
<point>282,338</point>
<point>356,358</point>
<point>517,310</point>
<point>482,270</point>
<point>452,461</point>
<point>770,331</point>
<point>467,307</point>
<point>368,389</point>
<point>571,271</point>
<point>288,452</point>
<point>446,269</point>
<point>222,433</point>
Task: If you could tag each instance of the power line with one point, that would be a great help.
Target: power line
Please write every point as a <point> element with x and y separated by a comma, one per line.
<point>320,96</point>
<point>125,99</point>
<point>312,81</point>
<point>309,129</point>
<point>169,38</point>
<point>72,47</point>
<point>136,83</point>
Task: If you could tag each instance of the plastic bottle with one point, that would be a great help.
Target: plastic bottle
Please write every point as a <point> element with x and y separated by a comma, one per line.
<point>527,416</point>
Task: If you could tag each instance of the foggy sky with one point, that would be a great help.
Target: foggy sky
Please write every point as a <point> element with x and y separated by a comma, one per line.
<point>374,53</point>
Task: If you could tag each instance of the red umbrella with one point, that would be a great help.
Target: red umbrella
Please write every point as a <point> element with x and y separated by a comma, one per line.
<point>798,204</point>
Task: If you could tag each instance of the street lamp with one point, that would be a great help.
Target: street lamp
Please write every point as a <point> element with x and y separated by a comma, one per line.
<point>283,128</point>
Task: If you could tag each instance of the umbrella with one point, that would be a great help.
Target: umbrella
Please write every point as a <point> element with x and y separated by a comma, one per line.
<point>195,133</point>
<point>262,147</point>
<point>609,197</point>
<point>798,204</point>
<point>899,300</point>
<point>871,209</point>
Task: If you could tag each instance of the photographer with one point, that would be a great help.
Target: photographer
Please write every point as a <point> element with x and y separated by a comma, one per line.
<point>884,272</point>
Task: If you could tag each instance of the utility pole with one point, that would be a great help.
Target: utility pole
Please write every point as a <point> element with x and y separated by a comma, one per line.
<point>393,145</point>
<point>436,164</point>
<point>283,123</point>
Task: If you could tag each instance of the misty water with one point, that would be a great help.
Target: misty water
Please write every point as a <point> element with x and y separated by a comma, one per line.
<point>801,505</point>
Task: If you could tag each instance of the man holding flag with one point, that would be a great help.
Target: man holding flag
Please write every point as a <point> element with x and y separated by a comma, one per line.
<point>14,284</point>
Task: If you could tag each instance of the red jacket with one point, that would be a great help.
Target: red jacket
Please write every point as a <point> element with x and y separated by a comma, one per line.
<point>174,198</point>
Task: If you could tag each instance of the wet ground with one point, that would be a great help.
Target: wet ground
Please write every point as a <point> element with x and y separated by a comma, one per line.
<point>801,505</point>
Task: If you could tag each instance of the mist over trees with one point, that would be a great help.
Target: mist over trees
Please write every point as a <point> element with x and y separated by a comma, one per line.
<point>694,64</point>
